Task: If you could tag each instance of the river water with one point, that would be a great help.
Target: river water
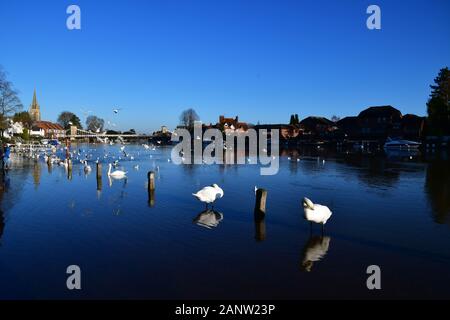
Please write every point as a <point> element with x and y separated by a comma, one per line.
<point>392,211</point>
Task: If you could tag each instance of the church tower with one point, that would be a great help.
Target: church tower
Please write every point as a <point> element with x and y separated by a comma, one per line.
<point>35,111</point>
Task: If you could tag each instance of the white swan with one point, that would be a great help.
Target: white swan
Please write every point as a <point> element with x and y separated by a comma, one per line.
<point>117,174</point>
<point>209,194</point>
<point>87,168</point>
<point>316,212</point>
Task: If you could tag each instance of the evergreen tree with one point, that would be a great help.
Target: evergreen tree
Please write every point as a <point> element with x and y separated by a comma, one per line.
<point>292,121</point>
<point>438,105</point>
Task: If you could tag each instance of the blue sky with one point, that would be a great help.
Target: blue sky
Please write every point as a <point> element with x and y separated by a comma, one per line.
<point>261,60</point>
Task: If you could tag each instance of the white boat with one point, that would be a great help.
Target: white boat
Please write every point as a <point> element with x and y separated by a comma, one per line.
<point>44,142</point>
<point>401,144</point>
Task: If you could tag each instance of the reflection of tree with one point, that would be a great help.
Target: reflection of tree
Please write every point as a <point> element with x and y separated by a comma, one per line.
<point>377,170</point>
<point>3,187</point>
<point>437,187</point>
<point>2,225</point>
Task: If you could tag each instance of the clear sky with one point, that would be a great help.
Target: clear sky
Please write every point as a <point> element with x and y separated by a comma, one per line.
<point>259,59</point>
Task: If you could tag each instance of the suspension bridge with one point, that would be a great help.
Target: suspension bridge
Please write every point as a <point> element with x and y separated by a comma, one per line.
<point>76,133</point>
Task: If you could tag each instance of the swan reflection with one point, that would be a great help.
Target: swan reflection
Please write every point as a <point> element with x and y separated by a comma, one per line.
<point>315,250</point>
<point>209,219</point>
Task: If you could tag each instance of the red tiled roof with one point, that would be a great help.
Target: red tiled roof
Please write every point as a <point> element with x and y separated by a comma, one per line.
<point>47,125</point>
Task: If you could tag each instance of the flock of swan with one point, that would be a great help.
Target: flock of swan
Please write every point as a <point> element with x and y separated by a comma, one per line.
<point>313,213</point>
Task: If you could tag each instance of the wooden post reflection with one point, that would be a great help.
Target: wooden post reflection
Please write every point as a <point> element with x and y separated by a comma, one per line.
<point>260,227</point>
<point>69,169</point>
<point>151,188</point>
<point>260,213</point>
<point>151,198</point>
<point>99,177</point>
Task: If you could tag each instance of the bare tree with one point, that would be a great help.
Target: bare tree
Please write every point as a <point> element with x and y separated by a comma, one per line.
<point>188,117</point>
<point>9,101</point>
<point>95,124</point>
<point>335,118</point>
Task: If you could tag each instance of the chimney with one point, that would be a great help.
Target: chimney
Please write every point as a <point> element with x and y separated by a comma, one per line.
<point>221,119</point>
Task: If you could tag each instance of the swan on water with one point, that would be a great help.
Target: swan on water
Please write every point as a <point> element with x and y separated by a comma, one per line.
<point>209,194</point>
<point>316,213</point>
<point>117,174</point>
<point>87,168</point>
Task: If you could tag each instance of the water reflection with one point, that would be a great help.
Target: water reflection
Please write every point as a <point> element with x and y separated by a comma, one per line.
<point>2,225</point>
<point>112,178</point>
<point>37,174</point>
<point>315,250</point>
<point>209,219</point>
<point>437,187</point>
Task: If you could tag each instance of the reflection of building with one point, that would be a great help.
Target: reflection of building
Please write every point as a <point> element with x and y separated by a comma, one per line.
<point>35,110</point>
<point>46,129</point>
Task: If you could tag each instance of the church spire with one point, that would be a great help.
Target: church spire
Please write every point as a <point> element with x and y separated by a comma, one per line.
<point>35,111</point>
<point>34,103</point>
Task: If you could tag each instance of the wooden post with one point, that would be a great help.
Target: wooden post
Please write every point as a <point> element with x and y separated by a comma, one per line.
<point>99,176</point>
<point>49,160</point>
<point>260,204</point>
<point>151,181</point>
<point>151,188</point>
<point>260,227</point>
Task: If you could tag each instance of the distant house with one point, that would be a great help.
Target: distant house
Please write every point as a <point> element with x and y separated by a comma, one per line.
<point>14,128</point>
<point>380,122</point>
<point>317,126</point>
<point>412,126</point>
<point>287,131</point>
<point>46,129</point>
<point>349,127</point>
<point>231,125</point>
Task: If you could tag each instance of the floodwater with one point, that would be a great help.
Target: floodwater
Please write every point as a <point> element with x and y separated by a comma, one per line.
<point>389,211</point>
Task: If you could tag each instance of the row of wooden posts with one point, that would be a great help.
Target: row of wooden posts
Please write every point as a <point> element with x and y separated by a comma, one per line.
<point>260,202</point>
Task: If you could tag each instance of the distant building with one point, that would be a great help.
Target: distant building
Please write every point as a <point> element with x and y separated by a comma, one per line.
<point>349,127</point>
<point>287,131</point>
<point>380,122</point>
<point>35,110</point>
<point>231,125</point>
<point>46,129</point>
<point>412,126</point>
<point>317,126</point>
